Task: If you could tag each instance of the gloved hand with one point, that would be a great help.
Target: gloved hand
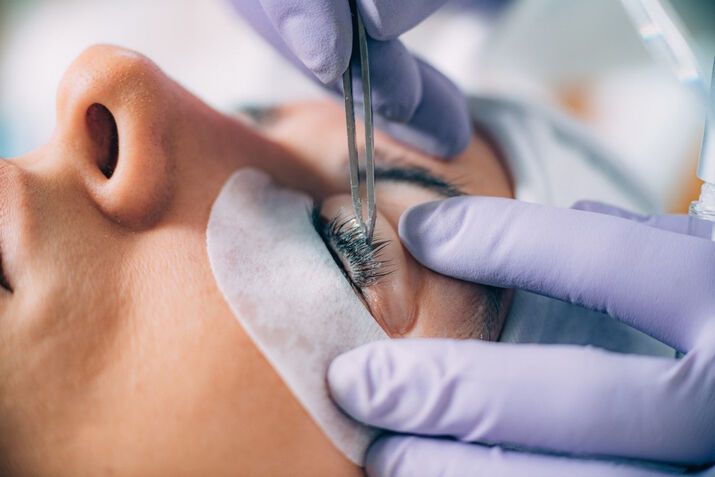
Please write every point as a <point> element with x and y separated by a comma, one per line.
<point>564,400</point>
<point>413,102</point>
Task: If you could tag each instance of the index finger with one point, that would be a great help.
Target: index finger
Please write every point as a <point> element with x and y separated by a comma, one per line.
<point>660,282</point>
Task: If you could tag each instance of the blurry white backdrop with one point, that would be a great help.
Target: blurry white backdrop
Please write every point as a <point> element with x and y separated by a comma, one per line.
<point>581,55</point>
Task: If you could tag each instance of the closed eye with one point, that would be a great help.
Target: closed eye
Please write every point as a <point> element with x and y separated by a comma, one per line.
<point>417,176</point>
<point>391,168</point>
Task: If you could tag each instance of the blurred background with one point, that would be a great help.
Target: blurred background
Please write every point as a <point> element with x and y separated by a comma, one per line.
<point>584,56</point>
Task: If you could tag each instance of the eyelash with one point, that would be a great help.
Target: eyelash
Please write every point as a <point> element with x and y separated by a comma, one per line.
<point>347,243</point>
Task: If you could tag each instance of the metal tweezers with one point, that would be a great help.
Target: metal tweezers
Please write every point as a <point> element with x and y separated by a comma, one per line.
<point>360,48</point>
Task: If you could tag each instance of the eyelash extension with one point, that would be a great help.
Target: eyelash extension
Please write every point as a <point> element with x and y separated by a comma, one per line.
<point>347,243</point>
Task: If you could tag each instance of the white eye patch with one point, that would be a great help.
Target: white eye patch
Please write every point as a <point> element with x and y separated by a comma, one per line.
<point>287,293</point>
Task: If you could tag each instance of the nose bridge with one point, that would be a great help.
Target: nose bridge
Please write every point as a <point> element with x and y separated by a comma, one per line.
<point>112,123</point>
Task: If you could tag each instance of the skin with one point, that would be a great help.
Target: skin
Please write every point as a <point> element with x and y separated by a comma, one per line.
<point>118,354</point>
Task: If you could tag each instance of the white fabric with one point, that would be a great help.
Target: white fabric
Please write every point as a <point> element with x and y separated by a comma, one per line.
<point>554,161</point>
<point>286,291</point>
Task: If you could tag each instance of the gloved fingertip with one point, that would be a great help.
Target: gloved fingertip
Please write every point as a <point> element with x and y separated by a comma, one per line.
<point>386,456</point>
<point>394,112</point>
<point>342,376</point>
<point>396,81</point>
<point>328,66</point>
<point>445,103</point>
<point>359,380</point>
<point>417,229</point>
<point>318,33</point>
<point>441,125</point>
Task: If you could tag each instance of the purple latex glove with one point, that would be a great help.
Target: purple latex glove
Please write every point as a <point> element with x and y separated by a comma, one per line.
<point>413,102</point>
<point>571,400</point>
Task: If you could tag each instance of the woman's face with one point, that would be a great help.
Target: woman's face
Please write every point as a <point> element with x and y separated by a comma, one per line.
<point>118,353</point>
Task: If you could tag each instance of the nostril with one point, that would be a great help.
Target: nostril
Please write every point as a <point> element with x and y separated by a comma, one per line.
<point>105,137</point>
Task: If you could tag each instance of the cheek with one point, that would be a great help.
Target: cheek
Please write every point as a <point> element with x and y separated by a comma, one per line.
<point>67,302</point>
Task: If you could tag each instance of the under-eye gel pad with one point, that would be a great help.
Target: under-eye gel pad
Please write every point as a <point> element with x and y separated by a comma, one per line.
<point>288,294</point>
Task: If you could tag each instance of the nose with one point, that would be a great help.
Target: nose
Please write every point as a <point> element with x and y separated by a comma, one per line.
<point>113,122</point>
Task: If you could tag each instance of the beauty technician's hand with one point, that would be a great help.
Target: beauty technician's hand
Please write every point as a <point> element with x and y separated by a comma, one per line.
<point>413,102</point>
<point>532,410</point>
